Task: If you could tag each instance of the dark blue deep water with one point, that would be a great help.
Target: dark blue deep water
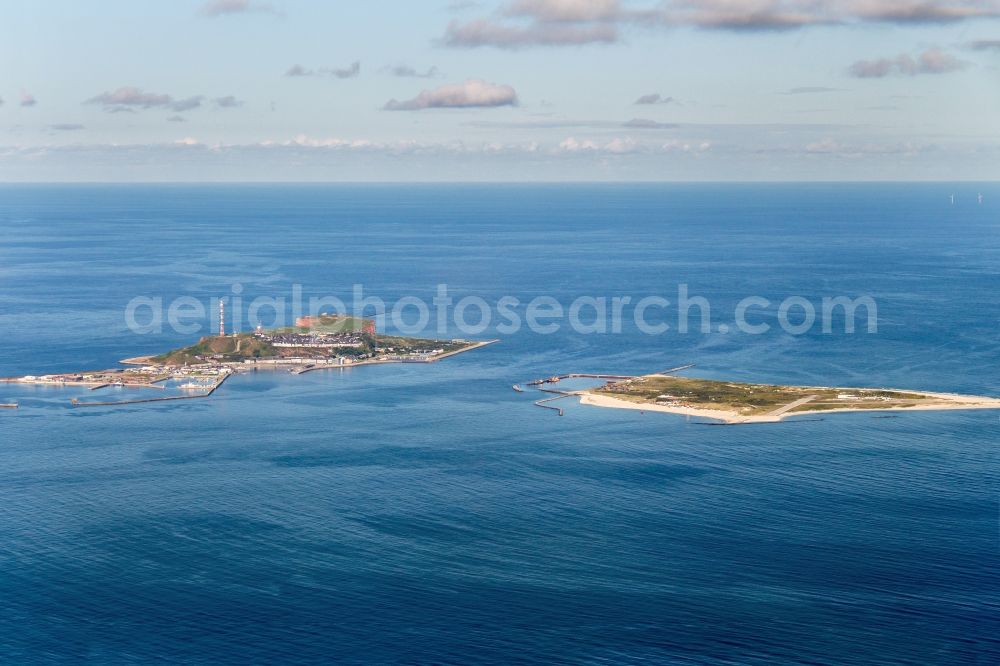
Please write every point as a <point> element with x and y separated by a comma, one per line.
<point>430,514</point>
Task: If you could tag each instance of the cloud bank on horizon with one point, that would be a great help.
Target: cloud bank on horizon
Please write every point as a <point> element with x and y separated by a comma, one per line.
<point>506,89</point>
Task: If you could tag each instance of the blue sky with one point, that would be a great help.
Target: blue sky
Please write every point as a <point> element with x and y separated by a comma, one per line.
<point>227,90</point>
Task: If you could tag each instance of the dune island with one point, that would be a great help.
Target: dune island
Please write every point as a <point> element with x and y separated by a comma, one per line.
<point>735,403</point>
<point>321,342</point>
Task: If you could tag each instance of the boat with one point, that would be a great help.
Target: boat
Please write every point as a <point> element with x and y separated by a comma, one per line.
<point>8,405</point>
<point>517,388</point>
<point>194,386</point>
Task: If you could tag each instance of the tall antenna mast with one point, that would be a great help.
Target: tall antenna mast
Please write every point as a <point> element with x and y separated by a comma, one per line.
<point>222,318</point>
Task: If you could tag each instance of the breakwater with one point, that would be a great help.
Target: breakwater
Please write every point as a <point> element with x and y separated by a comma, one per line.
<point>139,401</point>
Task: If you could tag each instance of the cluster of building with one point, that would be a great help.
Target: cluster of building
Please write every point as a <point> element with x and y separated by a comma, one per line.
<point>852,396</point>
<point>401,353</point>
<point>623,386</point>
<point>181,371</point>
<point>417,356</point>
<point>303,360</point>
<point>668,400</point>
<point>312,340</point>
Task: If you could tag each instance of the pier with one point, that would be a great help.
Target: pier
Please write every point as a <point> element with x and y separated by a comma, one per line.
<point>677,369</point>
<point>578,375</point>
<point>89,385</point>
<point>561,395</point>
<point>541,384</point>
<point>125,385</point>
<point>222,380</point>
<point>544,403</point>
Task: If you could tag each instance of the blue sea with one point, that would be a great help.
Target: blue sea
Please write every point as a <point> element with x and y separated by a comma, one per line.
<point>429,514</point>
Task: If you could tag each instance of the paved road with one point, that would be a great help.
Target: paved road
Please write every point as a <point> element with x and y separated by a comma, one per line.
<point>781,411</point>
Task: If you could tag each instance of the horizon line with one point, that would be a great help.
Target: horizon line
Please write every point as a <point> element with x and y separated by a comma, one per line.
<point>4,183</point>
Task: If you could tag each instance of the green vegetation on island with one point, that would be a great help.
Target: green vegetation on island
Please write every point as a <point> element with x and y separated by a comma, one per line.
<point>330,323</point>
<point>749,402</point>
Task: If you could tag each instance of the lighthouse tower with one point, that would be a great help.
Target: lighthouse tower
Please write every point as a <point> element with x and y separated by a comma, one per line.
<point>222,318</point>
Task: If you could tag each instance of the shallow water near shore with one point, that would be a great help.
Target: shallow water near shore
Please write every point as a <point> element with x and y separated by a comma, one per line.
<point>431,514</point>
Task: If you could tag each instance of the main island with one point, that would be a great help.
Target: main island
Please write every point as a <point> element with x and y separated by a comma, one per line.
<point>322,342</point>
<point>733,403</point>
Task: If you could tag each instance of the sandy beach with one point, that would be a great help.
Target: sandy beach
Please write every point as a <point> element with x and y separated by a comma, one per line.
<point>138,360</point>
<point>943,402</point>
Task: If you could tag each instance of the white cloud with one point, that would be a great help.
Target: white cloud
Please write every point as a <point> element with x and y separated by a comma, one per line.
<point>923,11</point>
<point>522,23</point>
<point>483,32</point>
<point>349,72</point>
<point>308,142</point>
<point>984,45</point>
<point>809,90</point>
<point>571,145</point>
<point>830,146</point>
<point>746,156</point>
<point>130,98</point>
<point>621,146</point>
<point>186,104</point>
<point>344,72</point>
<point>228,7</point>
<point>227,102</point>
<point>688,147</point>
<point>786,14</point>
<point>472,93</point>
<point>565,10</point>
<point>654,98</point>
<point>405,71</point>
<point>931,61</point>
<point>646,123</point>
